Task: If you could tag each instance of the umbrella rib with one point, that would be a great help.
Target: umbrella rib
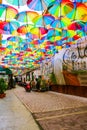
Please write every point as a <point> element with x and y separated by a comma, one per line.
<point>6,14</point>
<point>26,18</point>
<point>75,9</point>
<point>60,15</point>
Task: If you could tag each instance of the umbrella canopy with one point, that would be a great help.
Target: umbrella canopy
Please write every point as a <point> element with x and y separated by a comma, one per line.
<point>77,25</point>
<point>26,16</point>
<point>60,8</point>
<point>7,12</point>
<point>62,22</point>
<point>81,1</point>
<point>85,27</point>
<point>39,5</point>
<point>2,24</point>
<point>43,20</point>
<point>17,2</point>
<point>8,27</point>
<point>79,12</point>
<point>53,34</point>
<point>39,31</point>
<point>25,28</point>
<point>36,32</point>
<point>14,39</point>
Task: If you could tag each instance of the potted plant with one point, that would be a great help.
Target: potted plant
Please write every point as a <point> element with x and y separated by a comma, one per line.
<point>3,88</point>
<point>53,82</point>
<point>53,78</point>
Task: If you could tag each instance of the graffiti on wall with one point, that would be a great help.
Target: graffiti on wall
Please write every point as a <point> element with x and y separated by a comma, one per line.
<point>75,63</point>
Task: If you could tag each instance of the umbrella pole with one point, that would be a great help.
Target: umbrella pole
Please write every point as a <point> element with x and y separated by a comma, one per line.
<point>0,40</point>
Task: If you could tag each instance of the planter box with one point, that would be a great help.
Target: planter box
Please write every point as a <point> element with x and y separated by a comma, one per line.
<point>70,89</point>
<point>2,95</point>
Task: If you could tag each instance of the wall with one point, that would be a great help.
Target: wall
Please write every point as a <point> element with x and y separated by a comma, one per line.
<point>70,65</point>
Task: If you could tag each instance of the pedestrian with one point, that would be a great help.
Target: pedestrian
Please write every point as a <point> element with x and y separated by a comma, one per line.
<point>43,84</point>
<point>38,80</point>
<point>47,85</point>
<point>33,84</point>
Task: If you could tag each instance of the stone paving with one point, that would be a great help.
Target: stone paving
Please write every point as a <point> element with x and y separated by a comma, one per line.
<point>48,101</point>
<point>14,115</point>
<point>65,122</point>
<point>55,111</point>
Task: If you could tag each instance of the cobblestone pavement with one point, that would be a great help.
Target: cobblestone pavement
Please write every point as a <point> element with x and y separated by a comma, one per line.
<point>48,101</point>
<point>55,111</point>
<point>14,115</point>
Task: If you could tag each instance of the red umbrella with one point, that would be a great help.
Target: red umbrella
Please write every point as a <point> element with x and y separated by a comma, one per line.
<point>8,27</point>
<point>25,28</point>
<point>77,25</point>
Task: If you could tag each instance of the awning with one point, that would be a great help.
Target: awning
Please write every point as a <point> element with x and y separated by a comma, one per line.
<point>6,71</point>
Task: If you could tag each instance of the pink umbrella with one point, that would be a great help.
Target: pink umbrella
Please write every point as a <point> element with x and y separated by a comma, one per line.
<point>77,25</point>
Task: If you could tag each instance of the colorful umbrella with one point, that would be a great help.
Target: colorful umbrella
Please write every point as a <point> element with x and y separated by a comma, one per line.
<point>62,22</point>
<point>17,2</point>
<point>14,39</point>
<point>3,43</point>
<point>25,28</point>
<point>54,32</point>
<point>7,12</point>
<point>26,16</point>
<point>69,33</point>
<point>77,25</point>
<point>43,20</point>
<point>85,27</point>
<point>30,36</point>
<point>36,32</point>
<point>8,27</point>
<point>82,1</point>
<point>2,24</point>
<point>81,33</point>
<point>79,12</point>
<point>39,5</point>
<point>60,8</point>
<point>39,31</point>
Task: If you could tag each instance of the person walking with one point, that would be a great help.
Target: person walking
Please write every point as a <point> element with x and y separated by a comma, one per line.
<point>38,81</point>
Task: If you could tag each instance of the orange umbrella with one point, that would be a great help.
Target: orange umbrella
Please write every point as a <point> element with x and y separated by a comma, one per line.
<point>79,12</point>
